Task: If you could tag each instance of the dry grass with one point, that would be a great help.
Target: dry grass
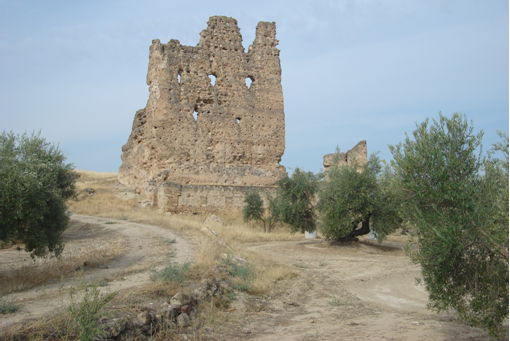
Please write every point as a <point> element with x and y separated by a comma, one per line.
<point>233,230</point>
<point>105,204</point>
<point>207,253</point>
<point>19,272</point>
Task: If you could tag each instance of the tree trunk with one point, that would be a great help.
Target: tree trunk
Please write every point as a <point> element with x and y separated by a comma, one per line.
<point>365,229</point>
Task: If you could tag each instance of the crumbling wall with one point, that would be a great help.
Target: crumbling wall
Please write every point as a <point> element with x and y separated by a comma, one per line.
<point>204,123</point>
<point>358,153</point>
<point>174,197</point>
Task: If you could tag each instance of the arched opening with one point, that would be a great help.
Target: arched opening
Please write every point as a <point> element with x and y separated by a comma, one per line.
<point>248,81</point>
<point>213,79</point>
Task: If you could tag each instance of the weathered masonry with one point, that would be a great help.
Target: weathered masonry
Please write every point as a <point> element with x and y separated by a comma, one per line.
<point>359,151</point>
<point>214,119</point>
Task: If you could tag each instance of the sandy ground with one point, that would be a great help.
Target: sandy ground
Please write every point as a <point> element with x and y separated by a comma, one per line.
<point>144,250</point>
<point>361,291</point>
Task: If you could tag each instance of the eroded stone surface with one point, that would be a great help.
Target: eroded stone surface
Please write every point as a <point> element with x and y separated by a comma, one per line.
<point>194,132</point>
<point>359,151</point>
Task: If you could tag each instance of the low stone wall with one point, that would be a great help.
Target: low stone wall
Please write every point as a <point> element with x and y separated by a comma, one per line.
<point>174,197</point>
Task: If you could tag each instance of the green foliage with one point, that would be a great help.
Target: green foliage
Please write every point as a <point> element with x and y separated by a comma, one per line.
<point>254,209</point>
<point>273,213</point>
<point>502,146</point>
<point>172,272</point>
<point>85,314</point>
<point>350,197</point>
<point>253,206</point>
<point>454,198</point>
<point>35,183</point>
<point>7,307</point>
<point>241,273</point>
<point>295,200</point>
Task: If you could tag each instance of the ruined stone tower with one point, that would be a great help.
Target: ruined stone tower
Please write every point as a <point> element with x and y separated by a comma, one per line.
<point>214,115</point>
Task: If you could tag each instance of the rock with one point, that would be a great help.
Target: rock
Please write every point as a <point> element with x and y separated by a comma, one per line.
<point>126,335</point>
<point>172,314</point>
<point>89,190</point>
<point>183,320</point>
<point>193,299</point>
<point>144,317</point>
<point>202,132</point>
<point>186,309</point>
<point>113,327</point>
<point>146,330</point>
<point>213,219</point>
<point>179,299</point>
<point>207,289</point>
<point>193,312</point>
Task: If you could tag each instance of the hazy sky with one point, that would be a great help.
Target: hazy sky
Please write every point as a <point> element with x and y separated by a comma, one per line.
<point>351,70</point>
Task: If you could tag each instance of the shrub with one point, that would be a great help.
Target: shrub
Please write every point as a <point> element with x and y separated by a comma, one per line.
<point>7,307</point>
<point>85,314</point>
<point>172,272</point>
<point>241,273</point>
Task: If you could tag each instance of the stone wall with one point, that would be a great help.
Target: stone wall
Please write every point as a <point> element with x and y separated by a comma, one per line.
<point>174,197</point>
<point>214,116</point>
<point>359,151</point>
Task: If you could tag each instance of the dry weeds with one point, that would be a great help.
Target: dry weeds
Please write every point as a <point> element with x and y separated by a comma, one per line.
<point>20,272</point>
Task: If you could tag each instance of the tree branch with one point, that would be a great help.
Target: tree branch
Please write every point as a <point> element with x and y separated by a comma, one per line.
<point>503,251</point>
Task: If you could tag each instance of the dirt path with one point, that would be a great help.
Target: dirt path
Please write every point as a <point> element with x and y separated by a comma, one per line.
<point>145,248</point>
<point>352,292</point>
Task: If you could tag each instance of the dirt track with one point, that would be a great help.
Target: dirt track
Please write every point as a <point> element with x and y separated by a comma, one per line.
<point>144,250</point>
<point>351,292</point>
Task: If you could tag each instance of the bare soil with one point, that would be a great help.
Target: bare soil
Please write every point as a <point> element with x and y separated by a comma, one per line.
<point>357,291</point>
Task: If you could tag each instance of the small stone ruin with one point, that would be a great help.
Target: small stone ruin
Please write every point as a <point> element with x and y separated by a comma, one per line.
<point>358,153</point>
<point>214,123</point>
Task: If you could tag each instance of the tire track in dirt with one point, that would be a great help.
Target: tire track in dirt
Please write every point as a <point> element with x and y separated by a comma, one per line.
<point>144,250</point>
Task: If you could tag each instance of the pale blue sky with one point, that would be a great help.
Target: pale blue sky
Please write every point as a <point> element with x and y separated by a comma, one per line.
<point>352,70</point>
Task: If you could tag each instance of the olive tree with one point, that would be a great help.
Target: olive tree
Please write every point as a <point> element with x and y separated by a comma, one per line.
<point>254,209</point>
<point>296,197</point>
<point>353,202</point>
<point>35,183</point>
<point>455,198</point>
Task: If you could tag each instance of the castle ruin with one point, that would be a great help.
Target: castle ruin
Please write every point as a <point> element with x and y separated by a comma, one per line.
<point>214,123</point>
<point>358,154</point>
